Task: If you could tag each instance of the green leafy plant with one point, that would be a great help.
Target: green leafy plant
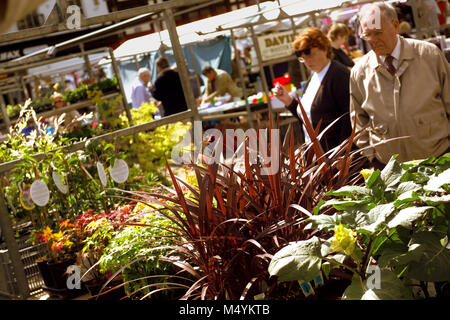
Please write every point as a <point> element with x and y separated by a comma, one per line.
<point>396,223</point>
<point>135,251</point>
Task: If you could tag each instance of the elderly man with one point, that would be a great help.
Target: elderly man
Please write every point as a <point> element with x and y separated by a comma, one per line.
<point>400,88</point>
<point>219,83</point>
<point>139,91</point>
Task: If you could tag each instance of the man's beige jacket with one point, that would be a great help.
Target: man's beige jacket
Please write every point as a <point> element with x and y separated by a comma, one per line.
<point>415,102</point>
<point>224,84</point>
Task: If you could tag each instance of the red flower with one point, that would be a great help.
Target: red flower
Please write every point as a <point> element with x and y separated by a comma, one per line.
<point>94,124</point>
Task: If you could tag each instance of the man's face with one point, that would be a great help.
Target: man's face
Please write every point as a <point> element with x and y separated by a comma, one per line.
<point>210,75</point>
<point>382,38</point>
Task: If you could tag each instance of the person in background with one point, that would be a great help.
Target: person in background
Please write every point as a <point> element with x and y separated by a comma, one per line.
<point>404,29</point>
<point>401,88</point>
<point>139,91</point>
<point>338,34</point>
<point>238,61</point>
<point>168,89</point>
<point>219,83</point>
<point>326,94</point>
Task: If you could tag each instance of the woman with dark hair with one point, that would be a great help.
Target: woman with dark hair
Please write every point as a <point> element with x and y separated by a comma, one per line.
<point>338,34</point>
<point>326,96</point>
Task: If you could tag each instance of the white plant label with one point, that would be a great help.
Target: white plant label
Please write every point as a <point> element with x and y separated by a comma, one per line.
<point>102,174</point>
<point>119,173</point>
<point>59,183</point>
<point>39,193</point>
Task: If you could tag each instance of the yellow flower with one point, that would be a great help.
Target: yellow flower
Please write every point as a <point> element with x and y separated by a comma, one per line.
<point>344,240</point>
<point>366,173</point>
<point>47,233</point>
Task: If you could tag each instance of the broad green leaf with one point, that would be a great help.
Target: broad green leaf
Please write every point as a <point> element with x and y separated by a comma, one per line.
<point>298,261</point>
<point>405,198</point>
<point>377,216</point>
<point>428,259</point>
<point>407,186</point>
<point>354,291</point>
<point>324,222</point>
<point>393,256</point>
<point>373,178</point>
<point>340,204</point>
<point>389,288</point>
<point>436,199</point>
<point>406,217</point>
<point>435,183</point>
<point>349,191</point>
<point>391,173</point>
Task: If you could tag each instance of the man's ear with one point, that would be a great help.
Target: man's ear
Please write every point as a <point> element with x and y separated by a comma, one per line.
<point>396,25</point>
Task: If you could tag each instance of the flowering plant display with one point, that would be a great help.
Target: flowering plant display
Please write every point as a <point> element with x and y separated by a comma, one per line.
<point>62,244</point>
<point>392,234</point>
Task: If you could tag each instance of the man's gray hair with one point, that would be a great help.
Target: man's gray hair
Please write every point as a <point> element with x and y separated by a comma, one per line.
<point>388,12</point>
<point>143,71</point>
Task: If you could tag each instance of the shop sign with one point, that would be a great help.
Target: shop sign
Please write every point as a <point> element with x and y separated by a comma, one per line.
<point>9,55</point>
<point>276,45</point>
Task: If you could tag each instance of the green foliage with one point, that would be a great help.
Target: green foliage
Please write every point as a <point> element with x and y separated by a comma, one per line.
<point>401,218</point>
<point>149,149</point>
<point>141,244</point>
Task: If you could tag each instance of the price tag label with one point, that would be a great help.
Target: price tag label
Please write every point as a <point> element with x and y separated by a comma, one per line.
<point>102,174</point>
<point>59,183</point>
<point>25,198</point>
<point>39,193</point>
<point>119,172</point>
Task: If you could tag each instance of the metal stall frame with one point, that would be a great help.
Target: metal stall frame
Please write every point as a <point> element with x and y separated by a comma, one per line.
<point>192,114</point>
<point>85,55</point>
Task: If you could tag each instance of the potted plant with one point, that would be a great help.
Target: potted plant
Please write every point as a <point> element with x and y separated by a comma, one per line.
<point>60,254</point>
<point>391,235</point>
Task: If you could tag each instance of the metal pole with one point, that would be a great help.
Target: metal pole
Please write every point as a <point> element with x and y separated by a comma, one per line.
<point>119,81</point>
<point>194,64</point>
<point>263,74</point>
<point>13,249</point>
<point>244,88</point>
<point>181,62</point>
<point>136,62</point>
<point>86,61</point>
<point>4,113</point>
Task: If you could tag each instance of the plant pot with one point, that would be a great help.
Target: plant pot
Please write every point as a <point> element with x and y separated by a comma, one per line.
<point>54,274</point>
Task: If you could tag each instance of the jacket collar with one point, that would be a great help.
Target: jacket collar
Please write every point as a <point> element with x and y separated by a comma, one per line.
<point>406,53</point>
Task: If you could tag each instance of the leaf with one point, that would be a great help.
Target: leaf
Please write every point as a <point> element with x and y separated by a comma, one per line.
<point>428,259</point>
<point>298,261</point>
<point>349,191</point>
<point>354,291</point>
<point>389,288</point>
<point>373,178</point>
<point>391,173</point>
<point>406,217</point>
<point>435,199</point>
<point>324,222</point>
<point>378,215</point>
<point>407,186</point>
<point>435,183</point>
<point>344,204</point>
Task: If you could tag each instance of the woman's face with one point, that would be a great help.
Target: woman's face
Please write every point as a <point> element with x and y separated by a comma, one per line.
<point>59,103</point>
<point>314,59</point>
<point>341,40</point>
